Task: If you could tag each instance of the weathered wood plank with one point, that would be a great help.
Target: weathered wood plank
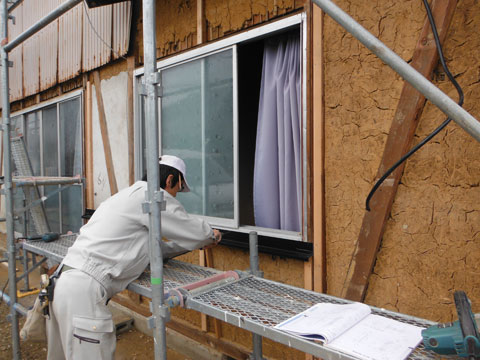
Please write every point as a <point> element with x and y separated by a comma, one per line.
<point>319,240</point>
<point>201,22</point>
<point>90,186</point>
<point>104,130</point>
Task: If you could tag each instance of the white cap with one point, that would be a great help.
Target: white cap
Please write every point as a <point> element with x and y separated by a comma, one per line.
<point>178,164</point>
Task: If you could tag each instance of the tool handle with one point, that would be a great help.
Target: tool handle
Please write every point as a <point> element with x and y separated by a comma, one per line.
<point>47,237</point>
<point>465,316</point>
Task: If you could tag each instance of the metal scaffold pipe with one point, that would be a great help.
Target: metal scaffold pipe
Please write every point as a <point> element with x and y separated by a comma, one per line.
<point>63,8</point>
<point>7,149</point>
<point>14,5</point>
<point>417,80</point>
<point>18,307</point>
<point>154,196</point>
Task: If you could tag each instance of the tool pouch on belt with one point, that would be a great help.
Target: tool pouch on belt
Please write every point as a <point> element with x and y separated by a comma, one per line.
<point>34,328</point>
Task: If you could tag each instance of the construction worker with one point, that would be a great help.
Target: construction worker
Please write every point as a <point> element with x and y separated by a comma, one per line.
<point>112,250</point>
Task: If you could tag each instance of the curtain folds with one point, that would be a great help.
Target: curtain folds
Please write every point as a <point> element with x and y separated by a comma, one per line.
<point>277,173</point>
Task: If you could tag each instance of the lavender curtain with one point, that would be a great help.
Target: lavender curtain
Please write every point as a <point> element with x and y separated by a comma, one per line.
<point>277,174</point>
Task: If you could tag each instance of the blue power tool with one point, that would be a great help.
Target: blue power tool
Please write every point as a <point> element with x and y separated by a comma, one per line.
<point>460,337</point>
<point>47,237</point>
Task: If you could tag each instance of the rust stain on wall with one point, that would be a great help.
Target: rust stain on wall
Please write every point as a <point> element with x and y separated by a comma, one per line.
<point>431,246</point>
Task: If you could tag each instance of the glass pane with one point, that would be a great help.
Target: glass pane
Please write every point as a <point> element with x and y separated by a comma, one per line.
<point>52,208</point>
<point>18,204</point>
<point>17,130</point>
<point>71,163</point>
<point>72,208</point>
<point>32,141</point>
<point>197,125</point>
<point>70,138</point>
<point>50,164</point>
<point>50,143</point>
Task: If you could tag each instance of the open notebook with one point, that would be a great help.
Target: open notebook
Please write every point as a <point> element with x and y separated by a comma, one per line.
<point>353,329</point>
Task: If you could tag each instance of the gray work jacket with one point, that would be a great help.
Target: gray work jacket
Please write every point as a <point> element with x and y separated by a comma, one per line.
<point>113,246</point>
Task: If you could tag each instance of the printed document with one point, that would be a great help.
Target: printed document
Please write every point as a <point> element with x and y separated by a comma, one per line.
<point>352,329</point>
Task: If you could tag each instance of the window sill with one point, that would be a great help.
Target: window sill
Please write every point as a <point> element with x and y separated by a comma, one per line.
<point>292,249</point>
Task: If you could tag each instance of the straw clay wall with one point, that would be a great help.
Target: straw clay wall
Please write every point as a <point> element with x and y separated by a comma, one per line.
<point>177,20</point>
<point>431,246</point>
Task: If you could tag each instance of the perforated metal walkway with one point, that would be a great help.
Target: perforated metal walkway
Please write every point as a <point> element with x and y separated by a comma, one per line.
<point>250,303</point>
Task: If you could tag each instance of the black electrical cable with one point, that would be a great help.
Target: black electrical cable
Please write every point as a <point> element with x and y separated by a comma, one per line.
<point>437,130</point>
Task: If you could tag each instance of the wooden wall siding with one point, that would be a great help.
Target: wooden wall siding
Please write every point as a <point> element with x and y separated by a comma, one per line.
<point>49,48</point>
<point>67,47</point>
<point>122,21</point>
<point>70,44</point>
<point>95,51</point>
<point>31,50</point>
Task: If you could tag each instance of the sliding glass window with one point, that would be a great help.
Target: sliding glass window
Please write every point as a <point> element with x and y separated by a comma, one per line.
<point>53,139</point>
<point>196,112</point>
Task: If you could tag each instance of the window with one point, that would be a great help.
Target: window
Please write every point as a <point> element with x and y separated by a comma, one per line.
<point>197,112</point>
<point>209,116</point>
<point>53,139</point>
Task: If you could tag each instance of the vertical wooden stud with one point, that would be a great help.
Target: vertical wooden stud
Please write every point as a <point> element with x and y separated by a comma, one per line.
<point>90,186</point>
<point>201,22</point>
<point>319,254</point>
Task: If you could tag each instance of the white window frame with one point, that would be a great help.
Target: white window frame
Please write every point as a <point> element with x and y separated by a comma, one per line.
<point>221,45</point>
<point>39,107</point>
<point>218,222</point>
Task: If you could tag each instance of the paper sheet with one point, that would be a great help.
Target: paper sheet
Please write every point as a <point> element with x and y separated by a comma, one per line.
<point>378,338</point>
<point>325,321</point>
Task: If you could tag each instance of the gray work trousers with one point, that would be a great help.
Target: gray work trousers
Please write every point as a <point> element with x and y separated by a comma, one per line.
<point>80,325</point>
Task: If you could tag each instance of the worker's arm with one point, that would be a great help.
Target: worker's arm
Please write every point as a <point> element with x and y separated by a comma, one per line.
<point>182,232</point>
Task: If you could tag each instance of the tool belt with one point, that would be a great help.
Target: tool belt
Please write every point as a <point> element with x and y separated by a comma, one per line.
<point>48,288</point>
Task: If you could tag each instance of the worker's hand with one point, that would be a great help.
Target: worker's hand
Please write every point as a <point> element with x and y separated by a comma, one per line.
<point>217,236</point>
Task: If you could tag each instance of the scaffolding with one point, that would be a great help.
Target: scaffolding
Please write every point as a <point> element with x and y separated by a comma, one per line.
<point>237,298</point>
<point>240,298</point>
